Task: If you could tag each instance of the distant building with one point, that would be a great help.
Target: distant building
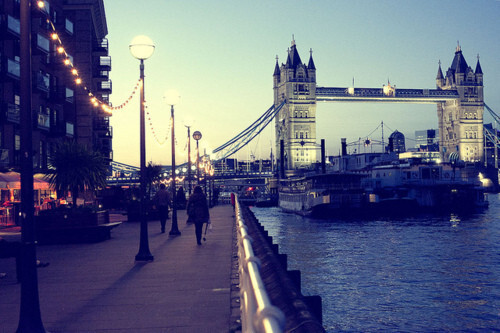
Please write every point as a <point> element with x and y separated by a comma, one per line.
<point>62,107</point>
<point>397,142</point>
<point>427,140</point>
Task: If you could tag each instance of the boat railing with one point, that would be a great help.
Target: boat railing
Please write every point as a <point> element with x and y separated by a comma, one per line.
<point>257,312</point>
<point>455,181</point>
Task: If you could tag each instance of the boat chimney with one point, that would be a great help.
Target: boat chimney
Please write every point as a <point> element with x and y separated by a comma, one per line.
<point>343,141</point>
<point>390,147</point>
<point>323,157</point>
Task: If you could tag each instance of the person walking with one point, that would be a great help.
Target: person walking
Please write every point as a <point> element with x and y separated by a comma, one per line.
<point>197,209</point>
<point>162,201</point>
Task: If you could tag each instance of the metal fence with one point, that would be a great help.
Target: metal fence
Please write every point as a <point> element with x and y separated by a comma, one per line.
<point>257,312</point>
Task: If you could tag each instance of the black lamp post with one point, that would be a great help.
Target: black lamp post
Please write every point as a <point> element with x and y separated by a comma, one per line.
<point>197,137</point>
<point>172,97</point>
<point>142,48</point>
<point>30,319</point>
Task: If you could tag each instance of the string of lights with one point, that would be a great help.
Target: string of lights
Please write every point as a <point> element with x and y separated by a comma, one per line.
<point>66,59</point>
<point>162,141</point>
<point>78,80</point>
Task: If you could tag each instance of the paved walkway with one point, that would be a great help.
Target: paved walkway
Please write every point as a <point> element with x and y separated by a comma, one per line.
<point>100,288</point>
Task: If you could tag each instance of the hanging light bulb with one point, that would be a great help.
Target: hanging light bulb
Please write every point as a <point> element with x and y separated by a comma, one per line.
<point>60,49</point>
<point>54,36</point>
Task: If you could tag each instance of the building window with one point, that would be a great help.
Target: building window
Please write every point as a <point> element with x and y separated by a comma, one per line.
<point>70,129</point>
<point>44,118</point>
<point>43,43</point>
<point>13,24</point>
<point>17,142</point>
<point>70,95</point>
<point>53,118</point>
<point>69,26</point>
<point>43,81</point>
<point>13,68</point>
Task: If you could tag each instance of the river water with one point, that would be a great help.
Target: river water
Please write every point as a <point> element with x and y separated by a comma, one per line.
<point>416,274</point>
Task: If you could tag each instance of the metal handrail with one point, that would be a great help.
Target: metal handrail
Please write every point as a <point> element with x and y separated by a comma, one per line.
<point>257,312</point>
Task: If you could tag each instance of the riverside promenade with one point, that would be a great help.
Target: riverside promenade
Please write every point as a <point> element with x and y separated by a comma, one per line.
<point>99,287</point>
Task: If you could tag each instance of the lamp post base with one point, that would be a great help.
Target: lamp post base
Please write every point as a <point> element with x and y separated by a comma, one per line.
<point>144,257</point>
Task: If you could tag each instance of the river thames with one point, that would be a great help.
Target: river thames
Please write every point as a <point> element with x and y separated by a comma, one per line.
<point>416,274</point>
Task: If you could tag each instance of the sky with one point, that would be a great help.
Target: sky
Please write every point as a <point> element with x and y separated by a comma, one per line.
<point>220,56</point>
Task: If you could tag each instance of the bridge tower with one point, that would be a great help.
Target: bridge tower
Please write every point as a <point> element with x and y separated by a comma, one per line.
<point>295,124</point>
<point>461,120</point>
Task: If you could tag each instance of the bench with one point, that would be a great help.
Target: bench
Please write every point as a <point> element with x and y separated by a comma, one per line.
<point>76,234</point>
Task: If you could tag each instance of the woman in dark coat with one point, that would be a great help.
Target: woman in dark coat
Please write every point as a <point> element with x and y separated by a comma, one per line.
<point>197,209</point>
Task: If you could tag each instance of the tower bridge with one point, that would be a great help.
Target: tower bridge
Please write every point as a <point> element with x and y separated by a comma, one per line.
<point>458,96</point>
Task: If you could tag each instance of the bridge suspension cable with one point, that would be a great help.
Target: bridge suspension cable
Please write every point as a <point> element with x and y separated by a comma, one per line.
<point>493,114</point>
<point>491,135</point>
<point>247,135</point>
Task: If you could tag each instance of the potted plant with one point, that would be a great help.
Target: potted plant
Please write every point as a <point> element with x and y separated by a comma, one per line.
<point>78,170</point>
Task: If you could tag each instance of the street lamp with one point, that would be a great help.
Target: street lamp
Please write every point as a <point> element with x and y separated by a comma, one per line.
<point>197,137</point>
<point>172,98</point>
<point>142,47</point>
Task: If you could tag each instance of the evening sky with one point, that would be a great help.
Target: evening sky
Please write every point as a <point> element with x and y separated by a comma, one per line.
<point>220,56</point>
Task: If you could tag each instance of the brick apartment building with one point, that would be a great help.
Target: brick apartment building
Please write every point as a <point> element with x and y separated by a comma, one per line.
<point>62,109</point>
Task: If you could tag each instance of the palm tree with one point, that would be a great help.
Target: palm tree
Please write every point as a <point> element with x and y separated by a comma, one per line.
<point>76,169</point>
<point>153,172</point>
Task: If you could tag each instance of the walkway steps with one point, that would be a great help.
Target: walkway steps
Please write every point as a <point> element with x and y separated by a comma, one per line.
<point>99,287</point>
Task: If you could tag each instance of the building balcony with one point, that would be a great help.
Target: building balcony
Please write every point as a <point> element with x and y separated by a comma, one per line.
<point>106,87</point>
<point>100,47</point>
<point>102,128</point>
<point>104,63</point>
<point>100,75</point>
<point>42,121</point>
<point>11,112</point>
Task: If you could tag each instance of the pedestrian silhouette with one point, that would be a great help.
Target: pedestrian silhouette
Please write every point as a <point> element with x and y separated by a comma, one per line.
<point>197,209</point>
<point>162,201</point>
<point>181,198</point>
